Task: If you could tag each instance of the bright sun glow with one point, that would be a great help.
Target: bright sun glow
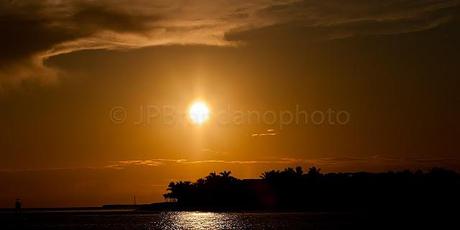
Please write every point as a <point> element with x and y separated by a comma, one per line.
<point>198,112</point>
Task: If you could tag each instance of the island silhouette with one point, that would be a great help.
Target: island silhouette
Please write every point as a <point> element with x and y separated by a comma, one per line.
<point>292,189</point>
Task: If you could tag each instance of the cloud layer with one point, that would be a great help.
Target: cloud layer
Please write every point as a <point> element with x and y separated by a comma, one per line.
<point>33,31</point>
<point>374,162</point>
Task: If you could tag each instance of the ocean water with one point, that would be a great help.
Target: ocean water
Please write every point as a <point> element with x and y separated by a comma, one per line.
<point>113,220</point>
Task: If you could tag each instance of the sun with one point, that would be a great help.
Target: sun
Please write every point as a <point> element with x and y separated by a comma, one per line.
<point>199,112</point>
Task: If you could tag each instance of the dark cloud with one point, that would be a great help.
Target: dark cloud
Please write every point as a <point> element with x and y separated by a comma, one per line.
<point>35,30</point>
<point>337,19</point>
<point>92,17</point>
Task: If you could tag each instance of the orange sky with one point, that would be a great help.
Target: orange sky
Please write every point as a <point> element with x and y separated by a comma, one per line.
<point>391,68</point>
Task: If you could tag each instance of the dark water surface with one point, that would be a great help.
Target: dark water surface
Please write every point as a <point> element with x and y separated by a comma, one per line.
<point>123,219</point>
<point>175,220</point>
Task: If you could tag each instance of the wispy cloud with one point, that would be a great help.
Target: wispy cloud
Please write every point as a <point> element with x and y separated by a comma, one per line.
<point>268,132</point>
<point>389,162</point>
<point>410,162</point>
<point>33,31</point>
<point>163,162</point>
<point>145,163</point>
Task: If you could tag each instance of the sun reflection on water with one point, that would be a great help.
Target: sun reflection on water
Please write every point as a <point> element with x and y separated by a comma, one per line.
<point>201,220</point>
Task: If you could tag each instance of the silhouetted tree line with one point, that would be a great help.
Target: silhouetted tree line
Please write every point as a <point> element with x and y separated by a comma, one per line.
<point>294,189</point>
